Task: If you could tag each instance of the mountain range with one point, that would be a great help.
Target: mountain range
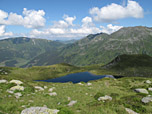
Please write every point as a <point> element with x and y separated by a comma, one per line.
<point>98,48</point>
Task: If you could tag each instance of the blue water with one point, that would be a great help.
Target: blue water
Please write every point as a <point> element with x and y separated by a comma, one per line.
<point>77,77</point>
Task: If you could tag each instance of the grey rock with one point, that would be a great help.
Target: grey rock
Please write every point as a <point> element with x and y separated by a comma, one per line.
<point>39,110</point>
<point>18,95</point>
<point>3,81</point>
<point>71,103</point>
<point>53,94</point>
<point>140,90</point>
<point>39,88</point>
<point>110,76</point>
<point>148,81</point>
<point>150,89</point>
<point>130,111</point>
<point>147,99</point>
<point>105,98</point>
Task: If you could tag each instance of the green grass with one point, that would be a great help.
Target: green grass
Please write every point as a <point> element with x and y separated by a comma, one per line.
<point>123,96</point>
<point>121,90</point>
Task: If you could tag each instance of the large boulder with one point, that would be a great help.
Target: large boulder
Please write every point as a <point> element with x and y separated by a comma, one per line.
<point>147,99</point>
<point>39,110</point>
<point>140,90</point>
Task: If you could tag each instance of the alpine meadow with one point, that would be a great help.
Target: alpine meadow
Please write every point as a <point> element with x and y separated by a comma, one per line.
<point>75,57</point>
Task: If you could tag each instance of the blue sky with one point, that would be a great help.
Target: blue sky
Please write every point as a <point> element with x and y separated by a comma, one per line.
<point>70,19</point>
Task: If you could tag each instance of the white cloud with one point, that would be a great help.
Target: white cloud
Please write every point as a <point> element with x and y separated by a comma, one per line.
<point>3,33</point>
<point>110,28</point>
<point>114,12</point>
<point>3,15</point>
<point>30,18</point>
<point>69,20</point>
<point>66,29</point>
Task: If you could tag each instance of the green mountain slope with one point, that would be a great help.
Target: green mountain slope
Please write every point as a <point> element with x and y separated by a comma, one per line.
<point>18,51</point>
<point>131,65</point>
<point>103,48</point>
<point>94,49</point>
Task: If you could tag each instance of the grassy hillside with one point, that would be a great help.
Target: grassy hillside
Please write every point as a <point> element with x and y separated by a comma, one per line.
<point>18,51</point>
<point>94,49</point>
<point>102,48</point>
<point>121,90</point>
<point>128,65</point>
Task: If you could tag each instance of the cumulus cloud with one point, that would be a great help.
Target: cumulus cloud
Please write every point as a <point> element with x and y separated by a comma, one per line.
<point>66,29</point>
<point>114,12</point>
<point>3,33</point>
<point>69,20</point>
<point>110,28</point>
<point>30,18</point>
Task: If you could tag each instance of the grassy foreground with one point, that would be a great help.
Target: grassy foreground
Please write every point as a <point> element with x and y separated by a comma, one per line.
<point>121,90</point>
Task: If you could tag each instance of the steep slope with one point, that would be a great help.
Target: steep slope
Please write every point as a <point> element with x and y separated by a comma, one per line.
<point>95,48</point>
<point>102,48</point>
<point>131,65</point>
<point>78,53</point>
<point>18,51</point>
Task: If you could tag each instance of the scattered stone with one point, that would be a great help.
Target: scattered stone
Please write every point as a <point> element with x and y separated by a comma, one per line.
<point>5,73</point>
<point>148,81</point>
<point>23,106</point>
<point>80,83</point>
<point>71,103</point>
<point>150,89</point>
<point>39,110</point>
<point>18,82</point>
<point>9,91</point>
<point>105,98</point>
<point>110,76</point>
<point>3,81</point>
<point>39,88</point>
<point>53,94</point>
<point>86,93</point>
<point>89,84</point>
<point>51,89</point>
<point>147,99</point>
<point>59,103</point>
<point>31,101</point>
<point>130,111</point>
<point>140,90</point>
<point>18,87</point>
<point>69,98</point>
<point>45,87</point>
<point>18,95</point>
